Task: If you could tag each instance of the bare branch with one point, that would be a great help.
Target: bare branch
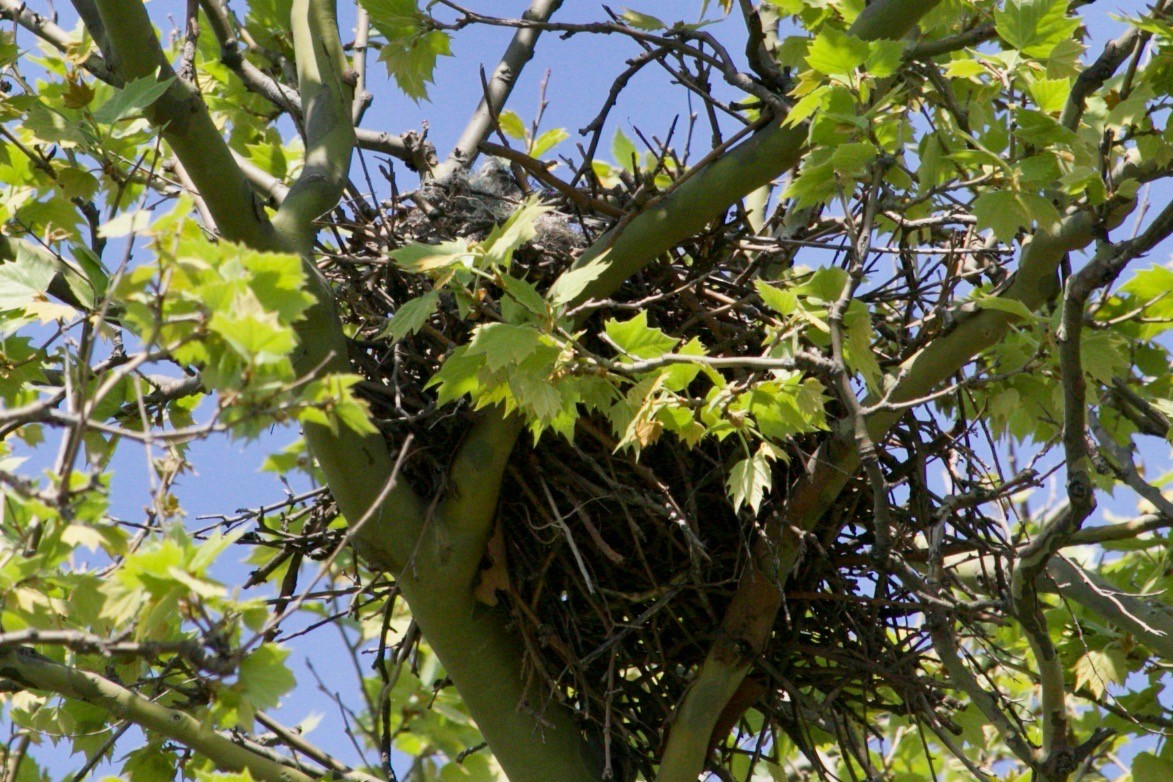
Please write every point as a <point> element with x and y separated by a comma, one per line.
<point>519,52</point>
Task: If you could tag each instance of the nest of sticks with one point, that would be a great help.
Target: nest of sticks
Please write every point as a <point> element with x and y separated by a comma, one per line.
<point>621,566</point>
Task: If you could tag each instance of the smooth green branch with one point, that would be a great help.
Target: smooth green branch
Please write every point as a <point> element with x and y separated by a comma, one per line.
<point>519,52</point>
<point>704,196</point>
<point>186,125</point>
<point>31,670</point>
<point>326,84</point>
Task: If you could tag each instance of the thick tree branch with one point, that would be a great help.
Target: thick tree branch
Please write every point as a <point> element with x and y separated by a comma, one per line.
<point>187,126</point>
<point>533,740</point>
<point>1147,620</point>
<point>30,670</point>
<point>519,52</point>
<point>719,182</point>
<point>750,617</point>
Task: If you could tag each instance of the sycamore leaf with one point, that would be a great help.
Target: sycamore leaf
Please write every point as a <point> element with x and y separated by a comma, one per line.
<point>836,53</point>
<point>410,317</point>
<point>547,141</point>
<point>636,338</point>
<point>24,280</point>
<point>422,258</point>
<point>625,153</point>
<point>132,99</point>
<point>457,376</point>
<point>1147,767</point>
<point>332,402</point>
<point>806,106</point>
<point>128,223</point>
<point>1003,304</point>
<point>513,233</point>
<point>521,301</point>
<point>884,57</point>
<point>263,677</point>
<point>411,61</point>
<point>825,285</point>
<point>1001,211</point>
<point>1050,95</point>
<point>536,394</point>
<point>1035,27</point>
<point>572,283</point>
<point>780,300</point>
<point>1097,669</point>
<point>858,350</point>
<point>254,334</point>
<point>749,480</point>
<point>503,344</point>
<point>1104,355</point>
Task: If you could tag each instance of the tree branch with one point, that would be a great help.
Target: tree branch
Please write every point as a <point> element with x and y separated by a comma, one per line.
<point>717,183</point>
<point>750,617</point>
<point>519,52</point>
<point>44,28</point>
<point>33,671</point>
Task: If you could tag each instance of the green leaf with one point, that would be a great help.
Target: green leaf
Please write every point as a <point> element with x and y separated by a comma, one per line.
<point>813,185</point>
<point>547,141</point>
<point>25,280</point>
<point>150,764</point>
<point>571,284</point>
<point>641,21</point>
<point>1035,27</point>
<point>824,285</point>
<point>503,344</point>
<point>853,159</point>
<point>513,233</point>
<point>263,677</point>
<point>1104,355</point>
<point>806,106</point>
<point>511,124</point>
<point>457,376</point>
<point>677,377</point>
<point>254,334</point>
<point>521,301</point>
<point>749,480</point>
<point>422,258</point>
<point>1050,95</point>
<point>836,53</point>
<point>132,99</point>
<point>884,57</point>
<point>411,60</point>
<point>332,402</point>
<point>1041,169</point>
<point>1003,304</point>
<point>780,300</point>
<point>624,152</point>
<point>536,394</point>
<point>1097,669</point>
<point>1148,284</point>
<point>1147,767</point>
<point>858,350</point>
<point>128,223</point>
<point>410,317</point>
<point>1001,211</point>
<point>636,338</point>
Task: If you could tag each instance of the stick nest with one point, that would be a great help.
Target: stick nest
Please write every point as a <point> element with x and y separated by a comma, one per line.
<point>620,567</point>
